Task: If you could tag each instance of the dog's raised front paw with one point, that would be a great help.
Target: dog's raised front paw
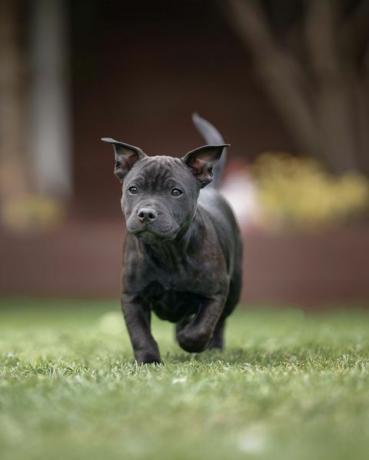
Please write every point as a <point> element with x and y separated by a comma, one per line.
<point>192,340</point>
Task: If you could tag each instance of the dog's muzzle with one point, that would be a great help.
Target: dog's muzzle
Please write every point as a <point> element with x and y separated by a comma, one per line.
<point>147,215</point>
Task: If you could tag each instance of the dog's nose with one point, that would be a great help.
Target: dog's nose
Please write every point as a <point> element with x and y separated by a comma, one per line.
<point>147,214</point>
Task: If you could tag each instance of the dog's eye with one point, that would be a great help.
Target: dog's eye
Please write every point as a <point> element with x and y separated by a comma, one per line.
<point>133,190</point>
<point>176,192</point>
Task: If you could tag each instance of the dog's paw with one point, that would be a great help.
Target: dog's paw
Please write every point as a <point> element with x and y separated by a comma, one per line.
<point>147,357</point>
<point>193,341</point>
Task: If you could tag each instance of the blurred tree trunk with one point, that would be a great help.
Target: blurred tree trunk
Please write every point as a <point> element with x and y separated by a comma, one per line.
<point>12,104</point>
<point>49,99</point>
<point>35,177</point>
<point>323,95</point>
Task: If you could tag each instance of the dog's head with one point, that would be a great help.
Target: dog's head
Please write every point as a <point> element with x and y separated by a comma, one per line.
<point>159,193</point>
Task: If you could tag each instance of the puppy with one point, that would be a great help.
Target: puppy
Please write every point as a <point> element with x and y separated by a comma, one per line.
<point>182,253</point>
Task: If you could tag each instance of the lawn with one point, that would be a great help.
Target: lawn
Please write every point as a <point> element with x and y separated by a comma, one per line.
<point>288,386</point>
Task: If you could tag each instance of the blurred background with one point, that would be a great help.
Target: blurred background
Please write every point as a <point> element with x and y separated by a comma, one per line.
<point>285,81</point>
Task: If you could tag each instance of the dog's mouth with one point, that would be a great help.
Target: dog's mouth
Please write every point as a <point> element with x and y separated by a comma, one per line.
<point>149,233</point>
<point>153,237</point>
<point>163,228</point>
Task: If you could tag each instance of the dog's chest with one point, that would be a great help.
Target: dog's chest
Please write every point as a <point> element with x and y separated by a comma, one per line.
<point>170,304</point>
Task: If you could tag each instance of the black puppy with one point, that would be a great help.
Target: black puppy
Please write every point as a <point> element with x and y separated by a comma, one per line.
<point>182,255</point>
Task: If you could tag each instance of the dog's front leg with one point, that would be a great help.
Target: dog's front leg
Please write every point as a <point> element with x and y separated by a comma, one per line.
<point>195,335</point>
<point>137,319</point>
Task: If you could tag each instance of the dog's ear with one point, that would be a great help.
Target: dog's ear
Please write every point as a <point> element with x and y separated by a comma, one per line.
<point>202,160</point>
<point>125,156</point>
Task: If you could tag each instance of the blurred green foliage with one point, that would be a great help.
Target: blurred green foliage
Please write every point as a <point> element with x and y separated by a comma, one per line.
<point>298,192</point>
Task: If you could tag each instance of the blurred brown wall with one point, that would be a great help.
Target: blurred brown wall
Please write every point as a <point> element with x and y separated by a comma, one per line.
<point>140,69</point>
<point>80,260</point>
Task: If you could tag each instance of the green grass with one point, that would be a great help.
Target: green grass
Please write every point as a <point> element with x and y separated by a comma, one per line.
<point>288,386</point>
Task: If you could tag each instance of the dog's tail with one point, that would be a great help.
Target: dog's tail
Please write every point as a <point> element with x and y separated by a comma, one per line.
<point>212,137</point>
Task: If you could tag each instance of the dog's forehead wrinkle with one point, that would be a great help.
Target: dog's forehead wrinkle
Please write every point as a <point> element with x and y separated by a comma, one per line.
<point>162,160</point>
<point>159,170</point>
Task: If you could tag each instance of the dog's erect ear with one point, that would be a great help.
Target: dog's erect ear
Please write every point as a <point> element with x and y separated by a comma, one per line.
<point>125,156</point>
<point>202,160</point>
